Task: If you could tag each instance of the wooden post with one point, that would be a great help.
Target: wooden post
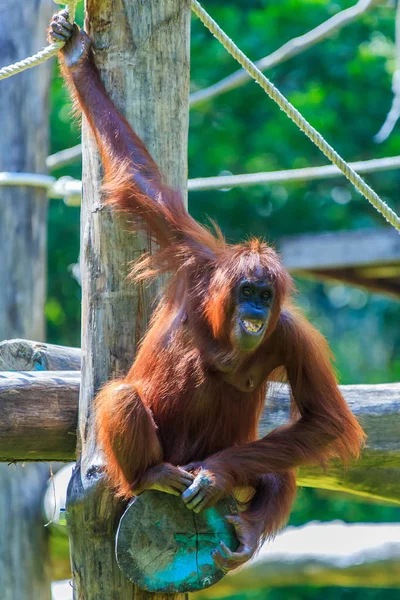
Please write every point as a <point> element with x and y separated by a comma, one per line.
<point>142,50</point>
<point>24,121</point>
<point>23,226</point>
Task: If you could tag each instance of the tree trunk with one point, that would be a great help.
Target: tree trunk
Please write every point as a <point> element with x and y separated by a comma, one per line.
<point>23,239</point>
<point>142,50</point>
<point>25,136</point>
<point>24,552</point>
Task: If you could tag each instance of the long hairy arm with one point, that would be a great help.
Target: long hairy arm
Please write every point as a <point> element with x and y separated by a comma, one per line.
<point>324,427</point>
<point>133,183</point>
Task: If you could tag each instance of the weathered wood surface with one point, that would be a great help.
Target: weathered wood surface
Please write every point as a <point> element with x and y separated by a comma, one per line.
<point>376,406</point>
<point>24,553</point>
<point>142,50</point>
<point>377,474</point>
<point>25,132</point>
<point>24,355</point>
<point>156,530</point>
<point>164,547</point>
<point>367,258</point>
<point>24,125</point>
<point>341,249</point>
<point>39,416</point>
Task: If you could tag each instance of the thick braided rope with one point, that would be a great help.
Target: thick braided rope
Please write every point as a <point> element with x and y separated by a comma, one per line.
<point>296,117</point>
<point>42,55</point>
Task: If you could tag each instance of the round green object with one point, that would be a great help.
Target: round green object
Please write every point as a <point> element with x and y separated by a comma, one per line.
<point>162,546</point>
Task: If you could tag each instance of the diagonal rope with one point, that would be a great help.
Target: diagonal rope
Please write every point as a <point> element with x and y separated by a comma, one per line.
<point>42,55</point>
<point>297,117</point>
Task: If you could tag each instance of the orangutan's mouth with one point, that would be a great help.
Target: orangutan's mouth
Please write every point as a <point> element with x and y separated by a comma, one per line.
<point>252,326</point>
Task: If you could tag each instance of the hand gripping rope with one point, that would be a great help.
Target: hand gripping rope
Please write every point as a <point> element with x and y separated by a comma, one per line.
<point>42,55</point>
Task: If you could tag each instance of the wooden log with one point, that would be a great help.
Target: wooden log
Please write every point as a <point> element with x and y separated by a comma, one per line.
<point>24,552</point>
<point>24,355</point>
<point>24,125</point>
<point>23,210</point>
<point>377,474</point>
<point>35,403</point>
<point>142,50</point>
<point>363,248</point>
<point>38,415</point>
<point>164,547</point>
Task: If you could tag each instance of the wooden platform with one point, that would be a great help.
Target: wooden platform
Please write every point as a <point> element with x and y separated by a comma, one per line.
<point>365,258</point>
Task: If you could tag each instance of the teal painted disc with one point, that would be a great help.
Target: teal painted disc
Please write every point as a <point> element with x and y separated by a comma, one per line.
<point>162,546</point>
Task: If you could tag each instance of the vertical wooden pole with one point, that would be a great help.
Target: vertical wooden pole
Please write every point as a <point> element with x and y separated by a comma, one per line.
<point>142,50</point>
<point>24,145</point>
<point>23,240</point>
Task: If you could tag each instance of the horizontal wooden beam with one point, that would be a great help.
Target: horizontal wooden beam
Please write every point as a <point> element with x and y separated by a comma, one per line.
<point>366,258</point>
<point>388,284</point>
<point>342,249</point>
<point>39,415</point>
<point>39,412</point>
<point>377,474</point>
<point>25,355</point>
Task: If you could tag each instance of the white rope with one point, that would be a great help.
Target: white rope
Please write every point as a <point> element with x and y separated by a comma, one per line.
<point>27,179</point>
<point>226,182</point>
<point>42,55</point>
<point>68,188</point>
<point>63,158</point>
<point>296,117</point>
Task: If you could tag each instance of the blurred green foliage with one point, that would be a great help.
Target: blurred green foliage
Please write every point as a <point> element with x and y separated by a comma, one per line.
<point>323,505</point>
<point>343,86</point>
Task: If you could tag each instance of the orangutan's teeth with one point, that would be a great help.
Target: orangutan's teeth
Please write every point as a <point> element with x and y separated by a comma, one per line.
<point>252,326</point>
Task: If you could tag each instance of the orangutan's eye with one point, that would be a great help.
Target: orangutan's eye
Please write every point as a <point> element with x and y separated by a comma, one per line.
<point>246,291</point>
<point>266,296</point>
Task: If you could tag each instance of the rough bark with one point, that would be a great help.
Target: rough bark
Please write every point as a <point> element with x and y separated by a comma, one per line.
<point>142,50</point>
<point>24,553</point>
<point>163,546</point>
<point>23,239</point>
<point>24,355</point>
<point>25,132</point>
<point>38,415</point>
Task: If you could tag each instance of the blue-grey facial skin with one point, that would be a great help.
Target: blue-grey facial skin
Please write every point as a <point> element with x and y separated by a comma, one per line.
<point>254,300</point>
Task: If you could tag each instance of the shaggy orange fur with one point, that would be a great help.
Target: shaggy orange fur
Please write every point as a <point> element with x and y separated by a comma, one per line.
<point>191,395</point>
